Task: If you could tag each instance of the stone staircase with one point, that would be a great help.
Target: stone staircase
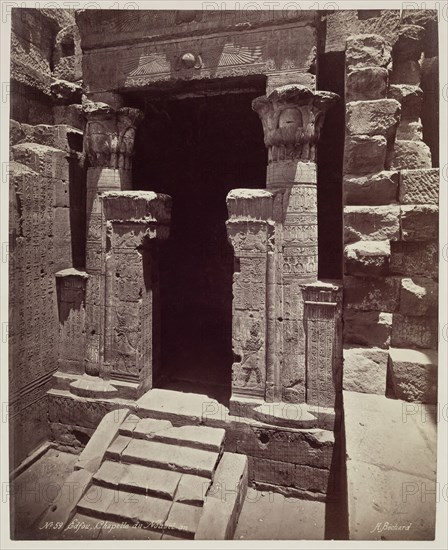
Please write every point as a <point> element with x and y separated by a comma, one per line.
<point>146,478</point>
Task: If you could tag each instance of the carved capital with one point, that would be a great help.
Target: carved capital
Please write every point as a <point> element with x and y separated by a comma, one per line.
<point>137,216</point>
<point>292,117</point>
<point>250,225</point>
<point>109,135</point>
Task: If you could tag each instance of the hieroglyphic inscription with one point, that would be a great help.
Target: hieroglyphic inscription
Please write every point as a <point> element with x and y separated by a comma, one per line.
<point>323,334</point>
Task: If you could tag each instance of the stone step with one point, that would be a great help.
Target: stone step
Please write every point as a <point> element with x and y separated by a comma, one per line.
<point>183,520</point>
<point>154,516</point>
<point>163,455</point>
<point>109,504</point>
<point>138,479</point>
<point>196,437</point>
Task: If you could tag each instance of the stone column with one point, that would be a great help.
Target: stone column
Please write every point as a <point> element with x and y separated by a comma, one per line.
<point>108,143</point>
<point>136,221</point>
<point>292,117</point>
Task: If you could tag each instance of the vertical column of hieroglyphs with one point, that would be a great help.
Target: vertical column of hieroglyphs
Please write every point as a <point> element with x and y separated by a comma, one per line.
<point>292,116</point>
<point>135,219</point>
<point>251,233</point>
<point>109,141</point>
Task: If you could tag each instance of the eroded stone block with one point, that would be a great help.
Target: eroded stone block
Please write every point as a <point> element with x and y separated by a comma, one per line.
<point>365,370</point>
<point>370,258</point>
<point>420,332</point>
<point>313,447</point>
<point>369,223</point>
<point>413,374</point>
<point>411,155</point>
<point>418,296</point>
<point>371,293</point>
<point>410,98</point>
<point>378,117</point>
<point>410,130</point>
<point>364,50</point>
<point>366,83</point>
<point>305,478</point>
<point>419,223</point>
<point>364,154</point>
<point>367,328</point>
<point>373,189</point>
<point>411,258</point>
<point>419,186</point>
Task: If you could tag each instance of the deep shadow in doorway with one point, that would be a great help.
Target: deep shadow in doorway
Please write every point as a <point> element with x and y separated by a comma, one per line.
<point>196,150</point>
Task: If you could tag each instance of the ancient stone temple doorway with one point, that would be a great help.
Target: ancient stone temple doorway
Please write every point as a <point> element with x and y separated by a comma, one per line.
<point>196,149</point>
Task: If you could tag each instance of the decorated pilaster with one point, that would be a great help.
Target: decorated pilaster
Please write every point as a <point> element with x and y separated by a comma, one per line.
<point>250,229</point>
<point>109,144</point>
<point>136,221</point>
<point>292,117</point>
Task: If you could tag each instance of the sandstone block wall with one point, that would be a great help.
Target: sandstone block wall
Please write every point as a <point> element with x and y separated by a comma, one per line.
<point>46,181</point>
<point>390,210</point>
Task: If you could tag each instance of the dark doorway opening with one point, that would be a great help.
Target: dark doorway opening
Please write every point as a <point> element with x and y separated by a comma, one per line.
<point>196,150</point>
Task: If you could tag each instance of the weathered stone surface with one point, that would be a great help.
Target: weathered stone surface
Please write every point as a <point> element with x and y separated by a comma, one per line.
<point>32,39</point>
<point>410,130</point>
<point>378,117</point>
<point>419,223</point>
<point>115,450</point>
<point>43,159</point>
<point>192,490</point>
<point>93,454</point>
<point>314,448</point>
<point>124,506</point>
<point>306,478</point>
<point>368,223</point>
<point>365,50</point>
<point>225,499</point>
<point>67,54</point>
<point>144,428</point>
<point>373,189</point>
<point>398,457</point>
<point>183,519</point>
<point>410,332</point>
<point>61,509</point>
<point>170,457</point>
<point>413,375</point>
<point>428,19</point>
<point>366,83</point>
<point>343,23</point>
<point>371,293</point>
<point>138,479</point>
<point>406,71</point>
<point>418,296</point>
<point>69,114</point>
<point>66,92</point>
<point>369,258</point>
<point>61,136</point>
<point>365,370</point>
<point>197,437</point>
<point>409,44</point>
<point>411,258</point>
<point>364,154</point>
<point>411,155</point>
<point>367,328</point>
<point>410,98</point>
<point>419,186</point>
